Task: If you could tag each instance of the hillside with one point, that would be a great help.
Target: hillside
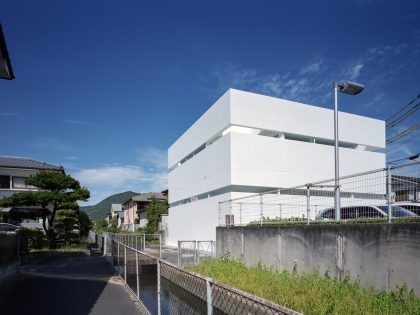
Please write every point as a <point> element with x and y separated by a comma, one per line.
<point>101,209</point>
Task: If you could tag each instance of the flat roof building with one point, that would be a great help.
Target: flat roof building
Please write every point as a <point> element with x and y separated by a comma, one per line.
<point>247,143</point>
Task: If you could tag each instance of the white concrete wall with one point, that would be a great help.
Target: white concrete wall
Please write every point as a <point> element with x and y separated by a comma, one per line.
<point>260,111</point>
<point>208,170</point>
<point>214,120</point>
<point>194,221</point>
<point>274,162</point>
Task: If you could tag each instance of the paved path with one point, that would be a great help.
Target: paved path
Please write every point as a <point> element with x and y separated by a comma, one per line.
<point>67,284</point>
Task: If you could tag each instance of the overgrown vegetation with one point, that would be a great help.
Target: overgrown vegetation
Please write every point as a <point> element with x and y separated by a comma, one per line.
<point>30,239</point>
<point>310,293</point>
<point>154,214</point>
<point>103,226</point>
<point>8,248</point>
<point>300,221</point>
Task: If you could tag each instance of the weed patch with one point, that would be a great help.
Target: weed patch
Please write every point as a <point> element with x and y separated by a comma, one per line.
<point>310,293</point>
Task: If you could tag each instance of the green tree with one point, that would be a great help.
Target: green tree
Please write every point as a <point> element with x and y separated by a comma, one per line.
<point>85,224</point>
<point>101,225</point>
<point>66,227</point>
<point>58,191</point>
<point>154,214</point>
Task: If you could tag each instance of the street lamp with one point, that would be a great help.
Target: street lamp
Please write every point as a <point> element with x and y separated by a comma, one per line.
<point>350,88</point>
<point>6,71</point>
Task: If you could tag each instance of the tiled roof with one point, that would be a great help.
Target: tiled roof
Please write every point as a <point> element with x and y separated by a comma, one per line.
<point>148,196</point>
<point>6,193</point>
<point>26,163</point>
<point>116,207</point>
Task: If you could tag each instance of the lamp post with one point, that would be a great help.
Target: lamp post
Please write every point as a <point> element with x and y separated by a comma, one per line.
<point>350,88</point>
<point>6,71</point>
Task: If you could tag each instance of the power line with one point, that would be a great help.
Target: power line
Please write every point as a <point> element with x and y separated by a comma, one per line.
<point>405,115</point>
<point>411,157</point>
<point>403,133</point>
<point>402,109</point>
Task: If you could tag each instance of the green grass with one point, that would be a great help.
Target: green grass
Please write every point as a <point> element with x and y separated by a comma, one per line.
<point>310,293</point>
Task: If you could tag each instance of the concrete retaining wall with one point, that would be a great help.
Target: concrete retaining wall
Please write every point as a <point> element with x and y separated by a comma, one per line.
<point>383,255</point>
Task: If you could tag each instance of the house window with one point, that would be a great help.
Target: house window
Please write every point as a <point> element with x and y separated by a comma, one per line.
<point>4,181</point>
<point>20,183</point>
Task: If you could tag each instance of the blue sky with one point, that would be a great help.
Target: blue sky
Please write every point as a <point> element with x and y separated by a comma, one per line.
<point>104,87</point>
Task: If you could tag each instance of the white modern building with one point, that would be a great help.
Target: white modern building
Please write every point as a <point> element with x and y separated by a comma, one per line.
<point>248,143</point>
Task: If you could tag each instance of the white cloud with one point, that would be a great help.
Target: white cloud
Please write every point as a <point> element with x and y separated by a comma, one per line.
<point>10,114</point>
<point>107,180</point>
<point>153,158</point>
<point>312,67</point>
<point>354,72</point>
<point>76,122</point>
<point>49,144</point>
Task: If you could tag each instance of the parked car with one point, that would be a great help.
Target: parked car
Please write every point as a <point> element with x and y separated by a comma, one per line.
<point>411,206</point>
<point>356,212</point>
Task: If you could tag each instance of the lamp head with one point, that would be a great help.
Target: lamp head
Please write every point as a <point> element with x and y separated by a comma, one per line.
<point>351,88</point>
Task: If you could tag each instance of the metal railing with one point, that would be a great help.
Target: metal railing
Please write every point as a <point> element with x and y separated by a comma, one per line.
<point>163,288</point>
<point>191,252</point>
<point>388,194</point>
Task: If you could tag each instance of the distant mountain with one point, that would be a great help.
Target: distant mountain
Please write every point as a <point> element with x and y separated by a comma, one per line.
<point>101,209</point>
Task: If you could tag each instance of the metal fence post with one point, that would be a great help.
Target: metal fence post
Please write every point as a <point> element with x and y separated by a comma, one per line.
<point>231,220</point>
<point>179,253</point>
<point>240,213</point>
<point>144,242</point>
<point>118,258</point>
<point>158,283</point>
<point>261,209</point>
<point>308,203</point>
<point>137,275</point>
<point>125,264</point>
<point>389,193</point>
<point>195,252</point>
<point>160,245</point>
<point>209,298</point>
<point>219,210</point>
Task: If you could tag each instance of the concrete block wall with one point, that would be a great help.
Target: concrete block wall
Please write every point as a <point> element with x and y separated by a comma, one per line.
<point>382,255</point>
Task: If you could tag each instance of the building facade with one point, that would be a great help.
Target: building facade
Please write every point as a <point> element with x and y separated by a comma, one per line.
<point>135,209</point>
<point>14,172</point>
<point>248,143</point>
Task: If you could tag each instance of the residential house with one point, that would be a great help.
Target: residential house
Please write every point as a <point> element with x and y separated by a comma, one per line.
<point>135,209</point>
<point>118,212</point>
<point>13,174</point>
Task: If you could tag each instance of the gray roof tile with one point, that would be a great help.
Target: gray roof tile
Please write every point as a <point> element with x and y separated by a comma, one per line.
<point>26,163</point>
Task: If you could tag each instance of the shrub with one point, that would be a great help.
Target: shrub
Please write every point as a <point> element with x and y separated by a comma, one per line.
<point>32,239</point>
<point>66,227</point>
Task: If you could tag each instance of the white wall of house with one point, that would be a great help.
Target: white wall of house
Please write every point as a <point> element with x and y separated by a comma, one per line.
<point>252,140</point>
<point>14,172</point>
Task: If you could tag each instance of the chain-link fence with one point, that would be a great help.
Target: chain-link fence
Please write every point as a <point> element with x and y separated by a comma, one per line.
<point>191,252</point>
<point>387,194</point>
<point>163,288</point>
<point>148,243</point>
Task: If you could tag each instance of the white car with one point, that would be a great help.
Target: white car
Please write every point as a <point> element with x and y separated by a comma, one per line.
<point>356,212</point>
<point>411,206</point>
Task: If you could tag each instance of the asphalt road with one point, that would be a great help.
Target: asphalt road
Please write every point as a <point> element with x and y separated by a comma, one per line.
<point>67,284</point>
